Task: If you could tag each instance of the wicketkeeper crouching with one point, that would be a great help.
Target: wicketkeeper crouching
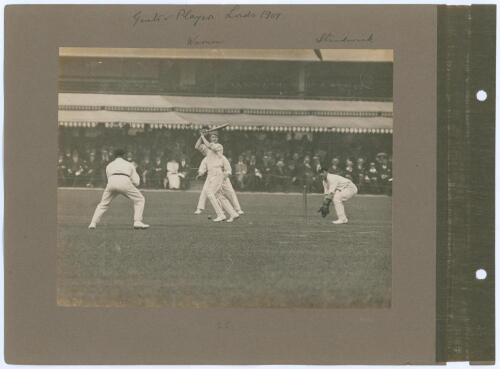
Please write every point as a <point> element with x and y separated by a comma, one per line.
<point>337,190</point>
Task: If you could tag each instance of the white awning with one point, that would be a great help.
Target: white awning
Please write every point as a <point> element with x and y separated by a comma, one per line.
<point>179,112</point>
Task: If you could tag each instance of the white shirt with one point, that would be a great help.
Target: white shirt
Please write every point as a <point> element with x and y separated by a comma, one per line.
<point>121,166</point>
<point>214,165</point>
<point>211,148</point>
<point>334,182</point>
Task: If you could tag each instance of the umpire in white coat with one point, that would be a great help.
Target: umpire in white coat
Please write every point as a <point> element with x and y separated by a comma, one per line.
<point>122,180</point>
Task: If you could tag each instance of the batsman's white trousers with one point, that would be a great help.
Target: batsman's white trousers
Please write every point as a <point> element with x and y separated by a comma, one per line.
<point>215,194</point>
<point>228,192</point>
<point>203,197</point>
<point>120,185</point>
<point>343,195</point>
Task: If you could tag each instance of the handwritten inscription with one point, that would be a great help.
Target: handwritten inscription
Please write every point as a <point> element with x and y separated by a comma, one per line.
<point>183,15</point>
<point>196,40</point>
<point>196,18</point>
<point>330,37</point>
<point>139,18</point>
<point>238,12</point>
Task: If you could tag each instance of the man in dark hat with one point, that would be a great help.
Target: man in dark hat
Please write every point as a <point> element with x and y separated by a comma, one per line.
<point>122,180</point>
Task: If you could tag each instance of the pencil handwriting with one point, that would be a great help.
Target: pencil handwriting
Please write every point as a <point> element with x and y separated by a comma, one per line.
<point>329,37</point>
<point>197,17</point>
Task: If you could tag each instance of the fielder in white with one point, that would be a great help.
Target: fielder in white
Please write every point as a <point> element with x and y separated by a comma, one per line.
<point>122,180</point>
<point>337,189</point>
<point>218,169</point>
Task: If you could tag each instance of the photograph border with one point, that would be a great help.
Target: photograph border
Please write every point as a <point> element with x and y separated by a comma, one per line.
<point>38,332</point>
<point>81,110</point>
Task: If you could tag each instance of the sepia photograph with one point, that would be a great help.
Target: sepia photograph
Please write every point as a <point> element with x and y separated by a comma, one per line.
<point>236,178</point>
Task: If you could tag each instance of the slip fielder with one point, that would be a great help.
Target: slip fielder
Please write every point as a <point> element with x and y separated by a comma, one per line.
<point>122,180</point>
<point>337,189</point>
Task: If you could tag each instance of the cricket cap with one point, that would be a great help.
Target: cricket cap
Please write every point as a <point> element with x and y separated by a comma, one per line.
<point>119,153</point>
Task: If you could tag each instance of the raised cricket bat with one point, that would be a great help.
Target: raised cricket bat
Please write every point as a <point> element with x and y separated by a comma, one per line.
<point>218,127</point>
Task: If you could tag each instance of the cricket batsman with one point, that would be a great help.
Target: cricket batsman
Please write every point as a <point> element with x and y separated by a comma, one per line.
<point>122,180</point>
<point>337,189</point>
<point>229,192</point>
<point>218,169</point>
<point>227,187</point>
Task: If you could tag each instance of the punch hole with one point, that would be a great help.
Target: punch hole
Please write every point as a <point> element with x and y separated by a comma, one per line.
<point>481,95</point>
<point>481,274</point>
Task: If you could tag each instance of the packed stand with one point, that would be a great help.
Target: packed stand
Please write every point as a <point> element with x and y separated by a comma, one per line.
<point>284,162</point>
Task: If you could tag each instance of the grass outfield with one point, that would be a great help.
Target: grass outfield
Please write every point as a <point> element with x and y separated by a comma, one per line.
<point>269,258</point>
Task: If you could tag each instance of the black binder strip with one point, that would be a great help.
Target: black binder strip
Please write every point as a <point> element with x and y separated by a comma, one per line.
<point>466,184</point>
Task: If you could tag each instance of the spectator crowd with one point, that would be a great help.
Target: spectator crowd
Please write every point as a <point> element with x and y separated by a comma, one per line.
<point>285,162</point>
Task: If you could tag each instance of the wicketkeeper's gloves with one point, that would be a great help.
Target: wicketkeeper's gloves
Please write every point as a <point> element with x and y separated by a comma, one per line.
<point>325,207</point>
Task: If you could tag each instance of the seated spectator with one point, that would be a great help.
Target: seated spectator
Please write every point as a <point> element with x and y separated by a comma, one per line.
<point>385,176</point>
<point>158,174</point>
<point>380,157</point>
<point>67,156</point>
<point>307,174</point>
<point>349,171</point>
<point>145,171</point>
<point>281,176</point>
<point>184,172</point>
<point>317,185</point>
<point>267,173</point>
<point>372,178</point>
<point>293,173</point>
<point>93,171</point>
<point>61,171</point>
<point>360,175</point>
<point>240,171</point>
<point>173,177</point>
<point>335,166</point>
<point>76,170</point>
<point>254,176</point>
<point>322,155</point>
<point>316,164</point>
<point>105,159</point>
